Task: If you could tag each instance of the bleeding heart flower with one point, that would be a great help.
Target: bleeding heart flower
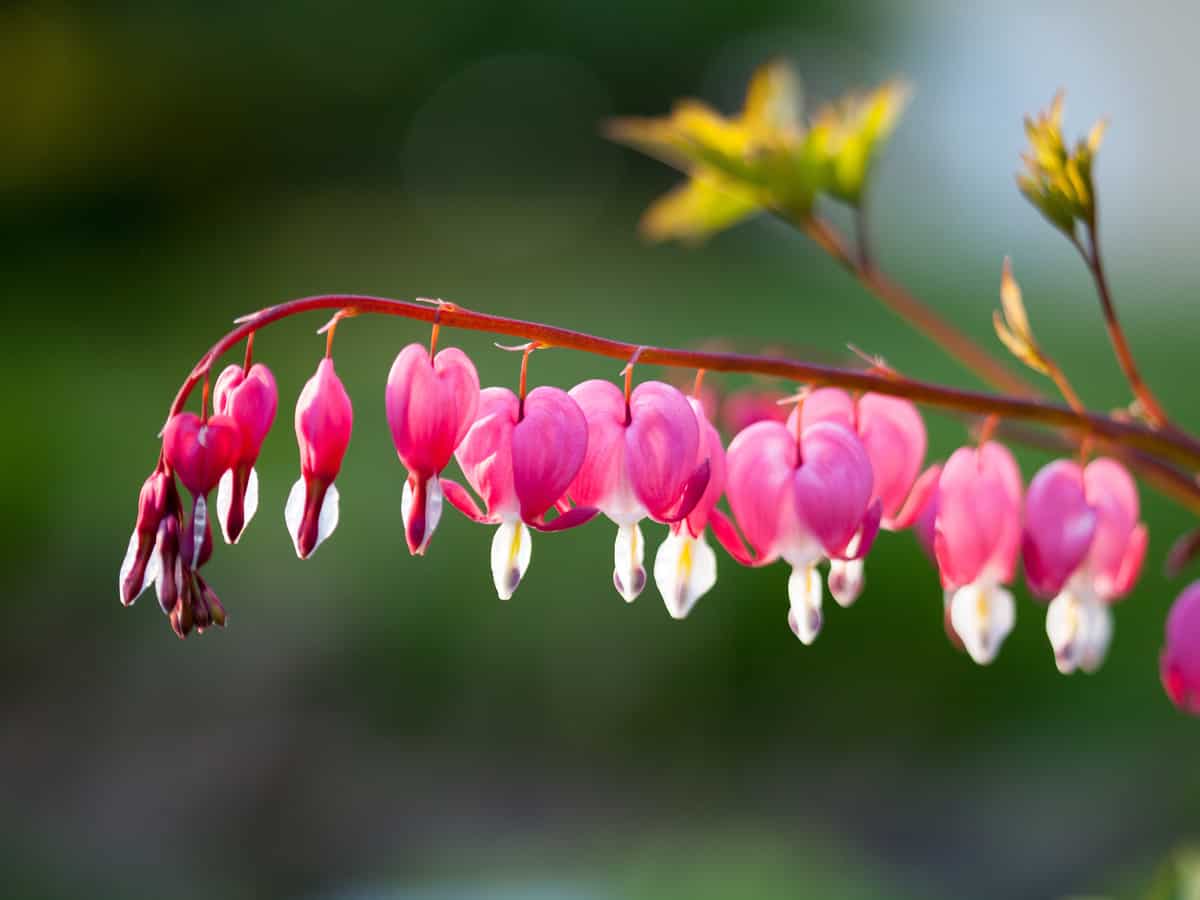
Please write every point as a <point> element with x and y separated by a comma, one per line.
<point>893,434</point>
<point>250,399</point>
<point>430,406</point>
<point>641,461</point>
<point>1179,663</point>
<point>520,457</point>
<point>200,451</point>
<point>801,501</point>
<point>324,420</point>
<point>685,567</point>
<point>977,534</point>
<point>141,565</point>
<point>1083,546</point>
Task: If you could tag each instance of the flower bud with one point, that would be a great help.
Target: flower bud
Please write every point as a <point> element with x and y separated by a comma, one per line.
<point>250,399</point>
<point>140,566</point>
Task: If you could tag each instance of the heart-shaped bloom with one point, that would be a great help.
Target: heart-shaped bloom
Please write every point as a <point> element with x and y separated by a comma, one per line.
<point>976,536</point>
<point>641,461</point>
<point>1083,546</point>
<point>324,420</point>
<point>685,567</point>
<point>520,457</point>
<point>802,501</point>
<point>893,433</point>
<point>249,398</point>
<point>430,406</point>
<point>1179,664</point>
<point>199,451</point>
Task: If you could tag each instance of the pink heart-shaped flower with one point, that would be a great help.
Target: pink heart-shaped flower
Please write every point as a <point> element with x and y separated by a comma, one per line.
<point>200,452</point>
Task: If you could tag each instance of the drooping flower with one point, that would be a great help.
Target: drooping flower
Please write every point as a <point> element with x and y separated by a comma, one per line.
<point>802,501</point>
<point>250,398</point>
<point>685,566</point>
<point>641,461</point>
<point>1179,664</point>
<point>1083,546</point>
<point>893,434</point>
<point>199,451</point>
<point>520,456</point>
<point>324,419</point>
<point>977,533</point>
<point>742,409</point>
<point>430,406</point>
<point>141,565</point>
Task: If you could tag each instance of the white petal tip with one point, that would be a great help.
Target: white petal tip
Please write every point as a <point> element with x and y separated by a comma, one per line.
<point>511,552</point>
<point>629,552</point>
<point>685,569</point>
<point>982,616</point>
<point>805,595</point>
<point>327,517</point>
<point>846,581</point>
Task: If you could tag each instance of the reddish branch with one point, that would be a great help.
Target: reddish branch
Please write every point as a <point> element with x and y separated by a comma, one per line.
<point>1163,445</point>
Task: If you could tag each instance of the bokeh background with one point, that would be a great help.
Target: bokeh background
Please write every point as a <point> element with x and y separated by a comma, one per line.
<point>373,726</point>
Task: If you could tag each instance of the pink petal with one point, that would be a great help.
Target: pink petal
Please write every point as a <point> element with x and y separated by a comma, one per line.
<point>602,480</point>
<point>693,489</point>
<point>833,484</point>
<point>1179,663</point>
<point>978,526</point>
<point>918,503</point>
<point>461,500</point>
<point>201,451</point>
<point>485,454</point>
<point>712,451</point>
<point>760,467</point>
<point>893,433</point>
<point>572,518</point>
<point>727,536</point>
<point>1059,527</point>
<point>826,405</point>
<point>661,443</point>
<point>742,409</point>
<point>1112,492</point>
<point>251,399</point>
<point>324,419</point>
<point>1131,565</point>
<point>549,446</point>
<point>430,406</point>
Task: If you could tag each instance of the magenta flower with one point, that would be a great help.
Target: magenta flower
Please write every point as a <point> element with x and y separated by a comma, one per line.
<point>1083,546</point>
<point>1179,664</point>
<point>324,420</point>
<point>802,501</point>
<point>142,563</point>
<point>893,434</point>
<point>250,399</point>
<point>641,461</point>
<point>685,566</point>
<point>520,457</point>
<point>976,536</point>
<point>430,406</point>
<point>199,451</point>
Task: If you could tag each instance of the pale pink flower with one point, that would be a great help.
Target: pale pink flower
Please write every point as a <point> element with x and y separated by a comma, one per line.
<point>800,501</point>
<point>1083,546</point>
<point>324,420</point>
<point>520,457</point>
<point>977,534</point>
<point>430,406</point>
<point>640,462</point>
<point>893,434</point>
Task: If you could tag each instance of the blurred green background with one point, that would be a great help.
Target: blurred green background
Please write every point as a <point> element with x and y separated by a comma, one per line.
<point>373,726</point>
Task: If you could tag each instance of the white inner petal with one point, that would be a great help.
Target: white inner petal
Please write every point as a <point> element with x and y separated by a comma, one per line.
<point>1098,636</point>
<point>685,569</point>
<point>629,576</point>
<point>1065,627</point>
<point>327,518</point>
<point>225,503</point>
<point>982,615</point>
<point>200,516</point>
<point>511,550</point>
<point>293,512</point>
<point>250,501</point>
<point>152,568</point>
<point>804,594</point>
<point>846,580</point>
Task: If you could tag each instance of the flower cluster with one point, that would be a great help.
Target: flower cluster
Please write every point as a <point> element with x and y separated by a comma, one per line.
<point>814,488</point>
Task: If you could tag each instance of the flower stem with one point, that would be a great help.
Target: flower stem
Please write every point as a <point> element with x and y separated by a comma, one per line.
<point>1170,444</point>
